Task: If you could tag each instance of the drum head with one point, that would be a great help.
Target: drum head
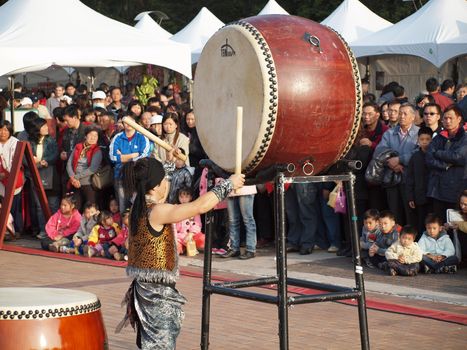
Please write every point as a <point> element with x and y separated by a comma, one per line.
<point>234,57</point>
<point>45,302</point>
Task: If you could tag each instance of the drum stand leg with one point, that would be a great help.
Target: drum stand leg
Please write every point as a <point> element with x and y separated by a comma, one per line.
<point>357,261</point>
<point>281,262</point>
<point>205,313</point>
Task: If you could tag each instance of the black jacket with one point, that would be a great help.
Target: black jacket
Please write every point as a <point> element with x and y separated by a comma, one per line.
<point>417,178</point>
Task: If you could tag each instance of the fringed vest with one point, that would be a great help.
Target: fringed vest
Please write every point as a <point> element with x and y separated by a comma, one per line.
<point>152,256</point>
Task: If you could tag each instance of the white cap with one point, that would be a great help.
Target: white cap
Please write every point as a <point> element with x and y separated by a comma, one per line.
<point>67,99</point>
<point>99,94</point>
<point>25,101</point>
<point>156,119</point>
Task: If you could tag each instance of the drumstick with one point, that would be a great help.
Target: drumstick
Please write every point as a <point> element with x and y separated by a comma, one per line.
<point>151,136</point>
<point>238,151</point>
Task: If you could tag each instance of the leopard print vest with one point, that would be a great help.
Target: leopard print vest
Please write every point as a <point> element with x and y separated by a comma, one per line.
<point>152,256</point>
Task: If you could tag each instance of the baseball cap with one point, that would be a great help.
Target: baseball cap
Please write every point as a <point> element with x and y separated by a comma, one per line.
<point>25,101</point>
<point>98,95</point>
<point>156,119</point>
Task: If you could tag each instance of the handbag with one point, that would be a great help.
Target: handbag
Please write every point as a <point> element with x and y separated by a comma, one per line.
<point>341,201</point>
<point>47,177</point>
<point>102,178</point>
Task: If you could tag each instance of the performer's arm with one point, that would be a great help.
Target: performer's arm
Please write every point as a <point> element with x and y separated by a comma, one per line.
<point>168,213</point>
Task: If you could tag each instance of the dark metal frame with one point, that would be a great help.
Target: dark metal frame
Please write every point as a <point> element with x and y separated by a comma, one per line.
<point>282,300</point>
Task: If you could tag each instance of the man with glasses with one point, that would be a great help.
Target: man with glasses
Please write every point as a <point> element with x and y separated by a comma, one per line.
<point>393,113</point>
<point>431,117</point>
<point>403,140</point>
<point>446,160</point>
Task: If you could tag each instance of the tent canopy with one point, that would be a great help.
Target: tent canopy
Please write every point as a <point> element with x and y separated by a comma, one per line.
<point>272,8</point>
<point>150,27</point>
<point>198,31</point>
<point>30,43</point>
<point>354,21</point>
<point>436,32</point>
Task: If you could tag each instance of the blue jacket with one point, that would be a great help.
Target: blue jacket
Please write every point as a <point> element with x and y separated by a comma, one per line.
<point>442,245</point>
<point>138,144</point>
<point>446,159</point>
<point>405,148</point>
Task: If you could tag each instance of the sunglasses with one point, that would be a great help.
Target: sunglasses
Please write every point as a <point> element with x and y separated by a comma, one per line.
<point>430,113</point>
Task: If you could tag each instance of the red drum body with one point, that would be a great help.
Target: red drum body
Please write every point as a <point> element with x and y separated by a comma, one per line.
<point>299,86</point>
<point>49,318</point>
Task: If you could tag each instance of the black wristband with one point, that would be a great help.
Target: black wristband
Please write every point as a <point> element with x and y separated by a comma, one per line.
<point>223,189</point>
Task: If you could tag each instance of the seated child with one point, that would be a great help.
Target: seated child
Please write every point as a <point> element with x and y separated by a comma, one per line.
<point>439,254</point>
<point>404,255</point>
<point>119,245</point>
<point>115,210</point>
<point>80,238</point>
<point>370,231</point>
<point>189,227</point>
<point>62,225</point>
<point>181,177</point>
<point>101,235</point>
<point>389,233</point>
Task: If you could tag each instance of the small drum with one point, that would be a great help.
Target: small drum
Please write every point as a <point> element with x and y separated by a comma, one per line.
<point>50,318</point>
<point>299,86</point>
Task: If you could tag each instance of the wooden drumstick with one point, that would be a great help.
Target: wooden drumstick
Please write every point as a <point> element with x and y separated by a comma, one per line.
<point>238,143</point>
<point>152,137</point>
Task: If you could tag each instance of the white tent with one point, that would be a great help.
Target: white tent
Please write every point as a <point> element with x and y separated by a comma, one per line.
<point>198,31</point>
<point>149,26</point>
<point>428,33</point>
<point>272,8</point>
<point>37,34</point>
<point>354,21</point>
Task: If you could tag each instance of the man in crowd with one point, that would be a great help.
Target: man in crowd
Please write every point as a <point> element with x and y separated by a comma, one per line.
<point>403,140</point>
<point>116,106</point>
<point>432,86</point>
<point>54,101</point>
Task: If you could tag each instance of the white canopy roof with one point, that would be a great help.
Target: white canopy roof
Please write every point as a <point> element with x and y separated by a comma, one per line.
<point>272,8</point>
<point>198,31</point>
<point>37,34</point>
<point>354,21</point>
<point>436,32</point>
<point>149,26</point>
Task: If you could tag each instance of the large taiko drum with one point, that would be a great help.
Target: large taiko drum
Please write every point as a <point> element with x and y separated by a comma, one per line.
<point>50,318</point>
<point>299,86</point>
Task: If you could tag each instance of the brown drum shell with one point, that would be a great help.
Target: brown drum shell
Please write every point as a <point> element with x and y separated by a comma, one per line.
<point>316,95</point>
<point>85,331</point>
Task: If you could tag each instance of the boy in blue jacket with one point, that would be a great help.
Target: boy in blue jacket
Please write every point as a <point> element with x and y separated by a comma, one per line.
<point>439,254</point>
<point>388,234</point>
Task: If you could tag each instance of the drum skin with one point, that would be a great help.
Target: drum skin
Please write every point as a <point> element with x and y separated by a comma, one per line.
<point>311,105</point>
<point>84,331</point>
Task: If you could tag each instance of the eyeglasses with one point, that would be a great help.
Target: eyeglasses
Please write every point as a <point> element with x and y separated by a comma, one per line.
<point>430,113</point>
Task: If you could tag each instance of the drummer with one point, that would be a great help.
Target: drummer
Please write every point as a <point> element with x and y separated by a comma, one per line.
<point>153,303</point>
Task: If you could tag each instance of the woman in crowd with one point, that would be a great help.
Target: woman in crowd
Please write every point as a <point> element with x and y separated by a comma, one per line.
<point>172,135</point>
<point>136,108</point>
<point>196,151</point>
<point>85,160</point>
<point>8,145</point>
<point>45,152</point>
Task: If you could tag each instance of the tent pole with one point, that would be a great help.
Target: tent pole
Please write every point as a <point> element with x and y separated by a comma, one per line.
<point>11,78</point>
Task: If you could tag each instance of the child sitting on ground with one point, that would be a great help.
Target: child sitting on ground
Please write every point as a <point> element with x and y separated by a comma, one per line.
<point>62,225</point>
<point>404,255</point>
<point>80,238</point>
<point>115,210</point>
<point>181,177</point>
<point>189,228</point>
<point>101,235</point>
<point>370,231</point>
<point>389,233</point>
<point>119,245</point>
<point>439,255</point>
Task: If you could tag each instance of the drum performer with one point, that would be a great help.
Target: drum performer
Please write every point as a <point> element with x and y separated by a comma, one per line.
<point>153,303</point>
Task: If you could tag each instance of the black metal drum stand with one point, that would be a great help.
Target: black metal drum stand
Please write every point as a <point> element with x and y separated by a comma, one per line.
<point>282,300</point>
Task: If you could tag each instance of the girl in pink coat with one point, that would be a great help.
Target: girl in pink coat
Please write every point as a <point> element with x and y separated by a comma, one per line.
<point>187,227</point>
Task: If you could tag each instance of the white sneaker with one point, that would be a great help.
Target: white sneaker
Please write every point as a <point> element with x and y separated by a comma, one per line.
<point>333,249</point>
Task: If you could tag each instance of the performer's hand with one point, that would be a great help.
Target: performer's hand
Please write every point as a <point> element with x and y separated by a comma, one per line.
<point>412,204</point>
<point>237,180</point>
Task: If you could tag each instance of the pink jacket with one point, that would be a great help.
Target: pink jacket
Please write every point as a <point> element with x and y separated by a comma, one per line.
<point>121,237</point>
<point>58,224</point>
<point>192,225</point>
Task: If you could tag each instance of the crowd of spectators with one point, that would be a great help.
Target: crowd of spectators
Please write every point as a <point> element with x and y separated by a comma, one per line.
<point>76,134</point>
